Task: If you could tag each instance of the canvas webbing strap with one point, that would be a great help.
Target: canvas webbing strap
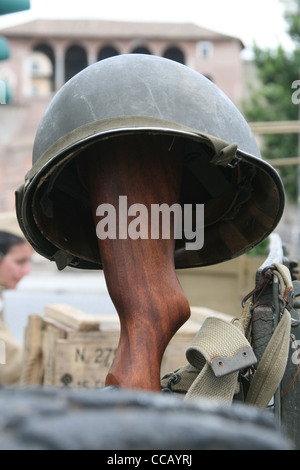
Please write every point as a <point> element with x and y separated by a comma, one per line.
<point>272,365</point>
<point>219,351</point>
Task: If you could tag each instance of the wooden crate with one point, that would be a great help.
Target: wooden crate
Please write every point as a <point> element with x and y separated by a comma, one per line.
<point>67,347</point>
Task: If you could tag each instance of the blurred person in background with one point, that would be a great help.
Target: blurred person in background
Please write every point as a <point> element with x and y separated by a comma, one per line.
<point>15,263</point>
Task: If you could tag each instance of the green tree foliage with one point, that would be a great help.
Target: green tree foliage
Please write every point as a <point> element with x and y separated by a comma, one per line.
<point>292,16</point>
<point>277,69</point>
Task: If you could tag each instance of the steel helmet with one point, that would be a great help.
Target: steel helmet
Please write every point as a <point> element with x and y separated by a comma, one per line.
<point>243,195</point>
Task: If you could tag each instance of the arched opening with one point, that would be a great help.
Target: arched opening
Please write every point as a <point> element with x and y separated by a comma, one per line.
<point>140,50</point>
<point>75,61</point>
<point>106,52</point>
<point>174,53</point>
<point>42,70</point>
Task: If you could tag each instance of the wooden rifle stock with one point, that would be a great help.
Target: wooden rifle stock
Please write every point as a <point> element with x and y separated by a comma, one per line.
<point>140,273</point>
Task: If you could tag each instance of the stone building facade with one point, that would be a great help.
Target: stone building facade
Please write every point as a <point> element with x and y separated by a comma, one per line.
<point>46,53</point>
<point>70,45</point>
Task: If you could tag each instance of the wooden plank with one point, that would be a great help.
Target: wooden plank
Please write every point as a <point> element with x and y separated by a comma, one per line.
<point>109,323</point>
<point>275,127</point>
<point>199,314</point>
<point>52,334</point>
<point>289,161</point>
<point>72,317</point>
<point>33,364</point>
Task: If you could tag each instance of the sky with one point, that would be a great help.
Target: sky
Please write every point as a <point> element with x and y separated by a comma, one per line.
<point>249,20</point>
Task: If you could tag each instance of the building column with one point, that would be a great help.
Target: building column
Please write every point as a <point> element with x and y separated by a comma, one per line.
<point>59,77</point>
<point>92,53</point>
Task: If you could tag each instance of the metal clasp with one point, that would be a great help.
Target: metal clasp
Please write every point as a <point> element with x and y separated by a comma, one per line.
<point>234,162</point>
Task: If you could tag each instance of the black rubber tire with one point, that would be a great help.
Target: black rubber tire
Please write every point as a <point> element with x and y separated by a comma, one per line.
<point>111,419</point>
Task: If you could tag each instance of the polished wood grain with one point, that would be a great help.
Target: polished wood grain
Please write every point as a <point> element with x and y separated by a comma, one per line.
<point>140,273</point>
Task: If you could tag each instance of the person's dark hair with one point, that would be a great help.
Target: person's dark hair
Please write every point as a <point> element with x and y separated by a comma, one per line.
<point>8,241</point>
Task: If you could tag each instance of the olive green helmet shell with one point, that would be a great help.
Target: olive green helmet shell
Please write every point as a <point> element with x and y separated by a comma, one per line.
<point>243,195</point>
